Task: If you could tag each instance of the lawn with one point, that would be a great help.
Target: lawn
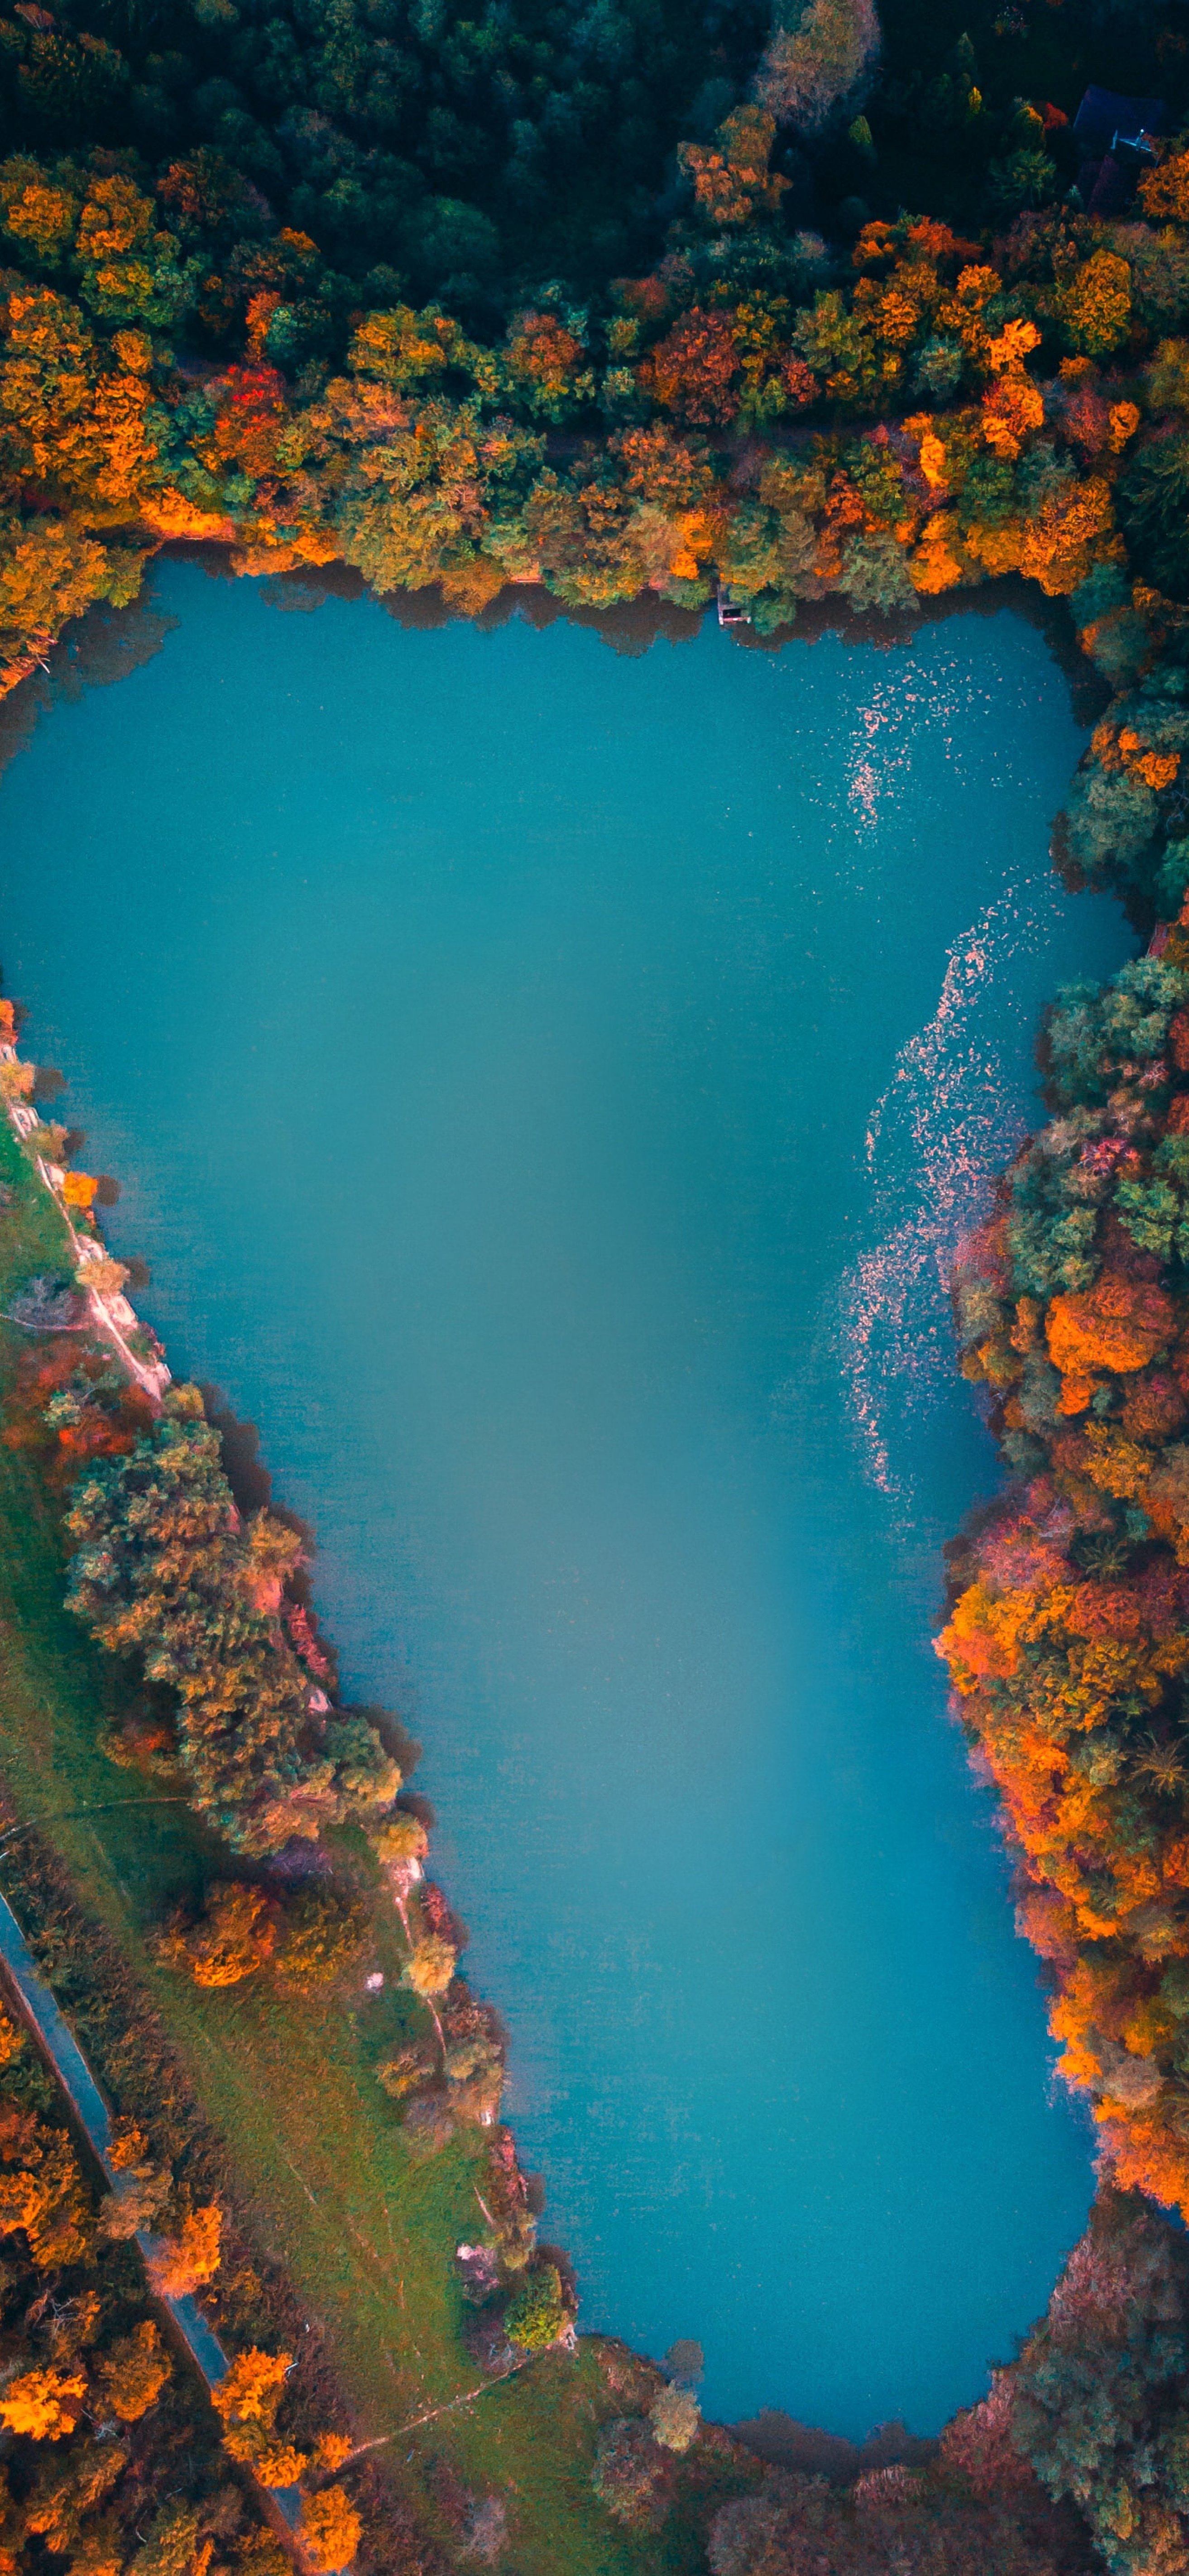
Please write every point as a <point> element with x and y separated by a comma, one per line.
<point>363,2233</point>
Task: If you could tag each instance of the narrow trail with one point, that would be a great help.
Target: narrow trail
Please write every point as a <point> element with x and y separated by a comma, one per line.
<point>111,1314</point>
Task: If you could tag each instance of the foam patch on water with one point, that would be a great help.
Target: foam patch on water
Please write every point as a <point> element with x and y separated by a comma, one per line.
<point>887,728</point>
<point>882,746</point>
<point>950,1118</point>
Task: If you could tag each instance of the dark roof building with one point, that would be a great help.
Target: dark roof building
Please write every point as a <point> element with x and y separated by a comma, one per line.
<point>1118,136</point>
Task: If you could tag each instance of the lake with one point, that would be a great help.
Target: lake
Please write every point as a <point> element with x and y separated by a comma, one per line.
<point>547,1087</point>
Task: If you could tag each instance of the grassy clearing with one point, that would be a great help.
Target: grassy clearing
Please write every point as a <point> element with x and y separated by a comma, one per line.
<point>364,2234</point>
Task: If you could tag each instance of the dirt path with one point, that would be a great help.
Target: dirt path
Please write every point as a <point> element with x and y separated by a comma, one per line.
<point>111,1315</point>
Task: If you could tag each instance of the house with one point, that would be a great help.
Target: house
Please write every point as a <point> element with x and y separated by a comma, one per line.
<point>1119,137</point>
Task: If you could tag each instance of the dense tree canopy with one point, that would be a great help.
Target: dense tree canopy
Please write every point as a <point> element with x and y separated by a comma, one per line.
<point>372,283</point>
<point>108,2444</point>
<point>166,1570</point>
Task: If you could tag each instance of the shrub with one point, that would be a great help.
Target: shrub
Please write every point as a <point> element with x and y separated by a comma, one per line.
<point>141,2190</point>
<point>675,2416</point>
<point>235,1938</point>
<point>330,2451</point>
<point>400,1839</point>
<point>538,2313</point>
<point>629,2475</point>
<point>429,1968</point>
<point>485,2530</point>
<point>322,1936</point>
<point>403,2073</point>
<point>428,2124</point>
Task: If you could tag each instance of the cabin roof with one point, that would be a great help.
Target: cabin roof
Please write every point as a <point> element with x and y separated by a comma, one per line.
<point>1105,113</point>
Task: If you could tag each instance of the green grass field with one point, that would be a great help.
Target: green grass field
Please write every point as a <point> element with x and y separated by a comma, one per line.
<point>364,2234</point>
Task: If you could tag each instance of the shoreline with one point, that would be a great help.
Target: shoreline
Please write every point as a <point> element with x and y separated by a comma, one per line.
<point>154,1381</point>
<point>722,2458</point>
<point>369,1681</point>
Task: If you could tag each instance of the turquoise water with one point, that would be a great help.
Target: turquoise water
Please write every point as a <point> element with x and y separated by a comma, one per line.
<point>547,1087</point>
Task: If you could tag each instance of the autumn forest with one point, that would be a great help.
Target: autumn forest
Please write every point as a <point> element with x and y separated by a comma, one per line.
<point>811,316</point>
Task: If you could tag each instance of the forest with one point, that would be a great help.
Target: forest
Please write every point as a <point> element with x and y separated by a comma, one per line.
<point>112,2457</point>
<point>759,370</point>
<point>619,298</point>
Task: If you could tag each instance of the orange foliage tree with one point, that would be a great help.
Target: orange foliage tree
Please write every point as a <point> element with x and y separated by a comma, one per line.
<point>1068,1639</point>
<point>330,2528</point>
<point>46,2404</point>
<point>184,2262</point>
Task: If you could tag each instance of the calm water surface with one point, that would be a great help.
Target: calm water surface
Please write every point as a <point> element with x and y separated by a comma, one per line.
<point>547,1087</point>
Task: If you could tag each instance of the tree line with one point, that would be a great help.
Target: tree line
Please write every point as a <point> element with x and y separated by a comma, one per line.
<point>112,2464</point>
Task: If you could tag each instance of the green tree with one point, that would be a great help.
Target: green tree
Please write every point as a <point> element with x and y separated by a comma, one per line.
<point>538,2313</point>
<point>1097,2394</point>
<point>1155,511</point>
<point>165,1569</point>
